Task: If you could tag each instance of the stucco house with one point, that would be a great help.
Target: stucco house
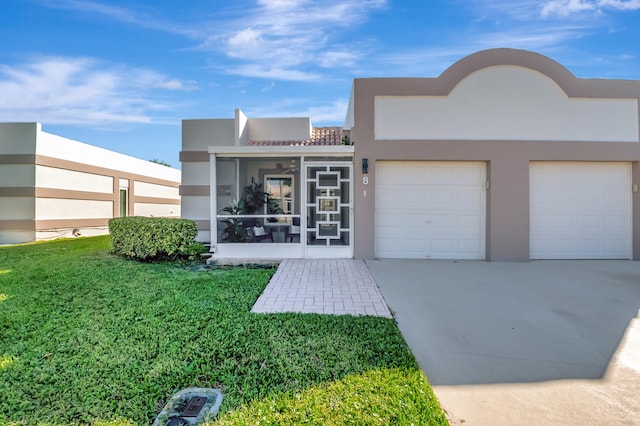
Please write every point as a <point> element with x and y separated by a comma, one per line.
<point>53,187</point>
<point>506,156</point>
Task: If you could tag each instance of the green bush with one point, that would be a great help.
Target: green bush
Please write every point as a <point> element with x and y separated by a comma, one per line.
<point>152,239</point>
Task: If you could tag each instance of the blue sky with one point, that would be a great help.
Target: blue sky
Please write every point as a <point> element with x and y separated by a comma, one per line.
<point>122,74</point>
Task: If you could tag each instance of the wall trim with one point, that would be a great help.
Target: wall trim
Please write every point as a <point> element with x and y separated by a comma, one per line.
<point>194,156</point>
<point>17,158</point>
<point>195,190</point>
<point>155,200</point>
<point>42,225</point>
<point>203,225</point>
<point>17,191</point>
<point>17,225</point>
<point>69,194</point>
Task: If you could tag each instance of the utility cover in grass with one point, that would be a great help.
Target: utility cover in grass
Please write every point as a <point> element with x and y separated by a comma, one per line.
<point>191,406</point>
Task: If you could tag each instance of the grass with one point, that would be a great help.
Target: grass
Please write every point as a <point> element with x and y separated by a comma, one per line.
<point>90,338</point>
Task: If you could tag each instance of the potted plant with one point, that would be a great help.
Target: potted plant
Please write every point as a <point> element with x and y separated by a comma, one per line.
<point>234,231</point>
<point>253,200</point>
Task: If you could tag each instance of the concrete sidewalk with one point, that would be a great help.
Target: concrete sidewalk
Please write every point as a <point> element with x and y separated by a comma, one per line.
<point>531,343</point>
<point>322,286</point>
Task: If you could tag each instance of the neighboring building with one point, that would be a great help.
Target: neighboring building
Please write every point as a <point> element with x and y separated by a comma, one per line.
<point>506,156</point>
<point>53,187</point>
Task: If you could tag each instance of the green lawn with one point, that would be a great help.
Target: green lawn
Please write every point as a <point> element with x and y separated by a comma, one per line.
<point>90,338</point>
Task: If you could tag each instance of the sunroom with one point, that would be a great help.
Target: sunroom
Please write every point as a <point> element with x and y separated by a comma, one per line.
<point>274,202</point>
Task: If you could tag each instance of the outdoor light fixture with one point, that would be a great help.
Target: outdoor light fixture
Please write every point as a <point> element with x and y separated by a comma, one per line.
<point>365,166</point>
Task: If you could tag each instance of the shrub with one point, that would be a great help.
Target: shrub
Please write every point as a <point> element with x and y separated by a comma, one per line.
<point>153,239</point>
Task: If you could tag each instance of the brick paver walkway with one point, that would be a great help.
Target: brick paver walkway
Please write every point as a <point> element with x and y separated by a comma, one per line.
<point>323,286</point>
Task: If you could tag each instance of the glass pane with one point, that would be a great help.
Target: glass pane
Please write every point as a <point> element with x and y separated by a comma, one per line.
<point>328,179</point>
<point>343,241</point>
<point>344,171</point>
<point>329,159</point>
<point>312,217</point>
<point>312,241</point>
<point>312,171</point>
<point>280,190</point>
<point>344,221</point>
<point>124,202</point>
<point>328,230</point>
<point>311,192</point>
<point>327,204</point>
<point>344,193</point>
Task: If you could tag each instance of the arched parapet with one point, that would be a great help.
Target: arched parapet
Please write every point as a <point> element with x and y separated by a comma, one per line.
<point>508,94</point>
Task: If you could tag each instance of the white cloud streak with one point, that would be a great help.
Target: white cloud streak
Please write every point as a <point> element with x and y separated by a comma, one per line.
<point>564,8</point>
<point>320,113</point>
<point>274,39</point>
<point>432,61</point>
<point>61,90</point>
<point>121,14</point>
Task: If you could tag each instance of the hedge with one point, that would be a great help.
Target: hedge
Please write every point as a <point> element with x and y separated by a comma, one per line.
<point>153,238</point>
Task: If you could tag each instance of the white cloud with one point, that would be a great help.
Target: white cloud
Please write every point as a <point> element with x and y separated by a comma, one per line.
<point>331,113</point>
<point>563,8</point>
<point>290,39</point>
<point>59,90</point>
<point>276,73</point>
<point>566,7</point>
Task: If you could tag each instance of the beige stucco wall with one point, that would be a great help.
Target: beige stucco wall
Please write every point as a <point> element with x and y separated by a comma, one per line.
<point>279,129</point>
<point>60,208</point>
<point>18,138</point>
<point>17,180</point>
<point>157,209</point>
<point>16,208</point>
<point>506,103</point>
<point>195,174</point>
<point>57,178</point>
<point>508,160</point>
<point>197,136</point>
<point>17,175</point>
<point>145,189</point>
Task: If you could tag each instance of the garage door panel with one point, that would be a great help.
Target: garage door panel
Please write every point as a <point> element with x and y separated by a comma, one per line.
<point>430,210</point>
<point>410,248</point>
<point>580,210</point>
<point>442,221</point>
<point>440,196</point>
<point>470,246</point>
<point>442,247</point>
<point>472,222</point>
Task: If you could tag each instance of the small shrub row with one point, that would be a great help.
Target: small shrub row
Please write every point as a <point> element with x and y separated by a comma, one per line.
<point>152,239</point>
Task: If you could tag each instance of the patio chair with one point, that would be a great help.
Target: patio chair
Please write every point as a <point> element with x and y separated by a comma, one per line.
<point>293,230</point>
<point>259,233</point>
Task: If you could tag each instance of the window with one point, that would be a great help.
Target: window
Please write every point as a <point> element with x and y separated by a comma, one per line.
<point>124,202</point>
<point>280,188</point>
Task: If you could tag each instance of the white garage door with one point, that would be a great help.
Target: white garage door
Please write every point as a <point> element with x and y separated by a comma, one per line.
<point>430,210</point>
<point>580,210</point>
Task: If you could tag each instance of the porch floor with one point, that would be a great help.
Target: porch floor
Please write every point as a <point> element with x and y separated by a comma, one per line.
<point>322,286</point>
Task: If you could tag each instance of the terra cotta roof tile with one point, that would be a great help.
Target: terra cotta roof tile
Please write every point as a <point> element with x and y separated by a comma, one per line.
<point>319,136</point>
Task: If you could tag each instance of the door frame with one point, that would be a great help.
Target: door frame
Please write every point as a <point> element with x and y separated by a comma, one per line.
<point>319,252</point>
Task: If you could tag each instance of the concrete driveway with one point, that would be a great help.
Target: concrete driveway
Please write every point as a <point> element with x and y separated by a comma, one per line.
<point>531,343</point>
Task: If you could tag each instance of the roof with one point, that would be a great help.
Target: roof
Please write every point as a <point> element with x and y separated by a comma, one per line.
<point>319,136</point>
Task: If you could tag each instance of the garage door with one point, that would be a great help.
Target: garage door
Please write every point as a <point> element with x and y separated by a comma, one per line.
<point>430,210</point>
<point>580,210</point>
